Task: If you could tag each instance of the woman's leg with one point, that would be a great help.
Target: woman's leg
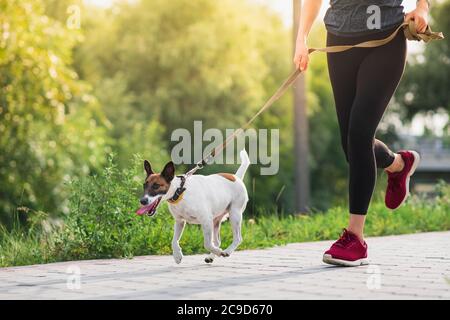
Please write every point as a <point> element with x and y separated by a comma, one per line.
<point>378,77</point>
<point>343,70</point>
<point>378,72</point>
<point>356,225</point>
<point>397,165</point>
<point>383,155</point>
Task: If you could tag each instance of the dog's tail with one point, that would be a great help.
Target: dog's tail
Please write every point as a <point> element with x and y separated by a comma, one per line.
<point>245,162</point>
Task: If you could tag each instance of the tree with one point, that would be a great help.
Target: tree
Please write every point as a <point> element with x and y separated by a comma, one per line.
<point>425,85</point>
<point>181,61</point>
<point>50,126</point>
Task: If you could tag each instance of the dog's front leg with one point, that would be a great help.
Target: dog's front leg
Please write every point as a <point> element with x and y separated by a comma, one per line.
<point>208,239</point>
<point>178,231</point>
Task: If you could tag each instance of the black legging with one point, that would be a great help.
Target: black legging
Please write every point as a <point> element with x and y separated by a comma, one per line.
<point>363,81</point>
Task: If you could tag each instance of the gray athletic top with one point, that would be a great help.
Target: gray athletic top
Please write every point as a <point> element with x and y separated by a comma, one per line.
<point>357,17</point>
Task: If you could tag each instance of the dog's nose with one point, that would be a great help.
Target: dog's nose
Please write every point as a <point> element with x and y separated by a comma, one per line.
<point>144,201</point>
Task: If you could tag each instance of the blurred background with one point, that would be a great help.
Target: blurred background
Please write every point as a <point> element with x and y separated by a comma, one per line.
<point>80,80</point>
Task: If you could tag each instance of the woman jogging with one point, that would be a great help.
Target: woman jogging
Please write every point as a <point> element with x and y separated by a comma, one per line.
<point>363,82</point>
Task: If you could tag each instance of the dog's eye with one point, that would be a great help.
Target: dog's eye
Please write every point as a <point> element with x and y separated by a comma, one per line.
<point>155,186</point>
<point>145,185</point>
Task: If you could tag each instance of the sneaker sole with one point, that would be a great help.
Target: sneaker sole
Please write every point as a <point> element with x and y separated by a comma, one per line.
<point>408,178</point>
<point>327,258</point>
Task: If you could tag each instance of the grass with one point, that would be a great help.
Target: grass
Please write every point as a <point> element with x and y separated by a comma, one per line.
<point>102,224</point>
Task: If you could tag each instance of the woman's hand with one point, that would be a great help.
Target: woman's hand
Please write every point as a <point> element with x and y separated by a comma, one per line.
<point>310,11</point>
<point>420,17</point>
<point>301,57</point>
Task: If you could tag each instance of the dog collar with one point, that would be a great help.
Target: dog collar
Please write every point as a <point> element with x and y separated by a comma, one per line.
<point>178,195</point>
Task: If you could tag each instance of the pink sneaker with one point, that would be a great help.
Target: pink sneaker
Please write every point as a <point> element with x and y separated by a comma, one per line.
<point>398,182</point>
<point>347,251</point>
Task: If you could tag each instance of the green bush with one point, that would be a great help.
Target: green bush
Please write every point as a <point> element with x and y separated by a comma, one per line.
<point>102,222</point>
<point>51,127</point>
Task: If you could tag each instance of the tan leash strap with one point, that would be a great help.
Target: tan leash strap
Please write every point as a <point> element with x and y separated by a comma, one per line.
<point>409,30</point>
<point>410,33</point>
<point>427,36</point>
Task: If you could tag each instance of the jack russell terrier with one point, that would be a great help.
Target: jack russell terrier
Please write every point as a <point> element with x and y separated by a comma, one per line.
<point>204,200</point>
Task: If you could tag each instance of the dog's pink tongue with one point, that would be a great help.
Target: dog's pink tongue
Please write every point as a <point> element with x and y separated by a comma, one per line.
<point>144,209</point>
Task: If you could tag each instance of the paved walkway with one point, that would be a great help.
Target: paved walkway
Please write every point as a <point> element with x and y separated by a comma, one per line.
<point>403,267</point>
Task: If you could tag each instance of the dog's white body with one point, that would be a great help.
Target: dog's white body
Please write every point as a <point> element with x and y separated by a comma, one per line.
<point>207,201</point>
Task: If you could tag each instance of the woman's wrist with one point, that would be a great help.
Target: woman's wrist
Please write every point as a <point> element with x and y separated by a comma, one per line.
<point>301,40</point>
<point>423,4</point>
<point>301,37</point>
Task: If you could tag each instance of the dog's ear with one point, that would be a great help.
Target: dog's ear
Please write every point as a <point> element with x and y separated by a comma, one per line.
<point>168,172</point>
<point>148,168</point>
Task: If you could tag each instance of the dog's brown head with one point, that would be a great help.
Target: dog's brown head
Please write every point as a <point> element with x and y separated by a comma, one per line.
<point>156,185</point>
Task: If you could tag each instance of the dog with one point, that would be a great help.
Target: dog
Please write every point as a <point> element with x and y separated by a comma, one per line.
<point>205,200</point>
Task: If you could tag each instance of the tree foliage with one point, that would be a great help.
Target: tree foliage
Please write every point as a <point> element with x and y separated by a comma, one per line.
<point>50,124</point>
<point>137,71</point>
<point>425,85</point>
<point>182,61</point>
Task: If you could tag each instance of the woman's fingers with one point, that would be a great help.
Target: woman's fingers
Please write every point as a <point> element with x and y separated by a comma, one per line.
<point>296,62</point>
<point>420,21</point>
<point>304,62</point>
<point>421,28</point>
<point>409,16</point>
<point>421,24</point>
<point>301,59</point>
<point>297,59</point>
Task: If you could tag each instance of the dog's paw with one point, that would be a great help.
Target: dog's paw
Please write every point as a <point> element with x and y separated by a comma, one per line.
<point>218,252</point>
<point>209,260</point>
<point>177,256</point>
<point>225,254</point>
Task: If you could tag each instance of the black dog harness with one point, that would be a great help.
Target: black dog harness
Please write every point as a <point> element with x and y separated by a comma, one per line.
<point>178,195</point>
